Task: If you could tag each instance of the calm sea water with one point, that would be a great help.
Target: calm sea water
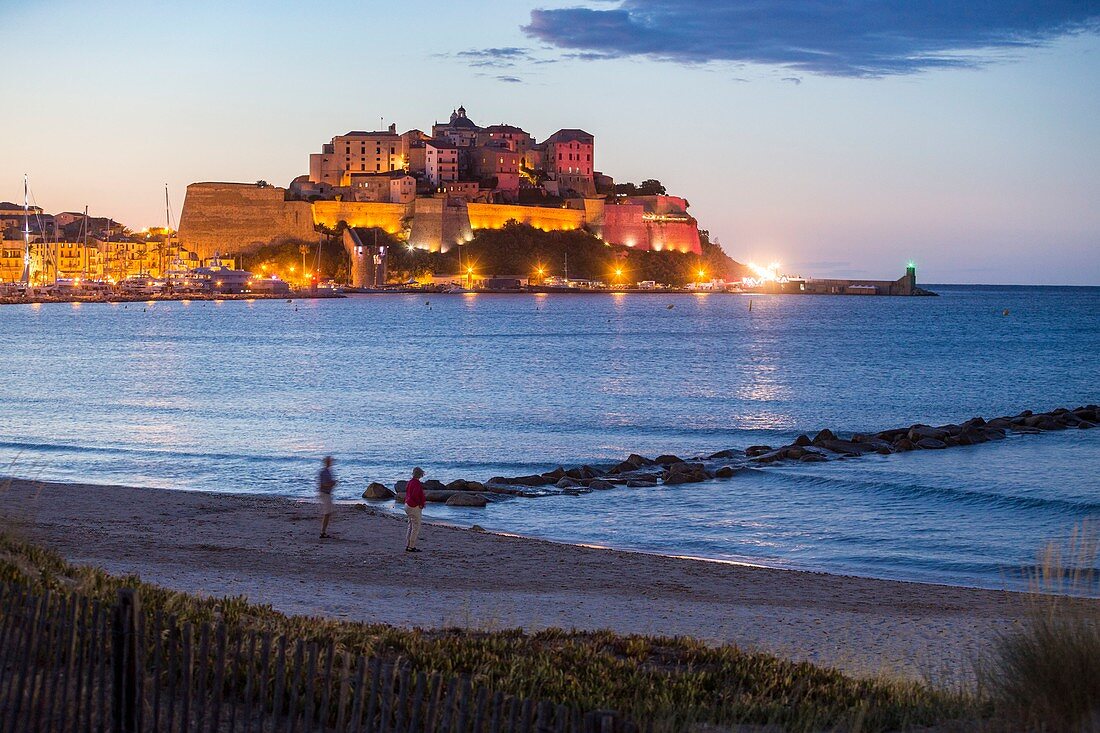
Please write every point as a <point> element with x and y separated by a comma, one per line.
<point>246,397</point>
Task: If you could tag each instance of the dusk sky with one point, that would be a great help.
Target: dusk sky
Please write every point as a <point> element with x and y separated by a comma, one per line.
<point>837,138</point>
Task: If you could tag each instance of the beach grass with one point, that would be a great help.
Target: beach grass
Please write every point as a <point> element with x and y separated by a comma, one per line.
<point>673,682</point>
<point>1045,676</point>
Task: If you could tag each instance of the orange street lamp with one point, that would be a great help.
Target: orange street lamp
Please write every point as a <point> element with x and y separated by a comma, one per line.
<point>702,274</point>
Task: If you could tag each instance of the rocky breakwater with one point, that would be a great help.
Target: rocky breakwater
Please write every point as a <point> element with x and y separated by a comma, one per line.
<point>637,471</point>
<point>828,445</point>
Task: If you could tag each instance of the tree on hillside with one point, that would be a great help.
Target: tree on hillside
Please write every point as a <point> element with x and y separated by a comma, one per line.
<point>648,187</point>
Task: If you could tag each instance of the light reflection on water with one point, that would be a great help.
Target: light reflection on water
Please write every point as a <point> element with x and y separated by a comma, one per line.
<point>247,397</point>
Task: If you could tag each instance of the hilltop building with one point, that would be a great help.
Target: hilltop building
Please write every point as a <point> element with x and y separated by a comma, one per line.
<point>432,191</point>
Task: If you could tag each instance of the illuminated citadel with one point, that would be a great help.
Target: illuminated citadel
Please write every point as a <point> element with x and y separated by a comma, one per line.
<point>434,190</point>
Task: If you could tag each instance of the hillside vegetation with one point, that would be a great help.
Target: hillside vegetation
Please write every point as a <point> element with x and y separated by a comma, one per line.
<point>521,250</point>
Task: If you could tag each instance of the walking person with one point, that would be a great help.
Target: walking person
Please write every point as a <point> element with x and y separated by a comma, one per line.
<point>326,482</point>
<point>414,507</point>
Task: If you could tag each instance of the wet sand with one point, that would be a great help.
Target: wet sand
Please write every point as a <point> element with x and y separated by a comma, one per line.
<point>268,550</point>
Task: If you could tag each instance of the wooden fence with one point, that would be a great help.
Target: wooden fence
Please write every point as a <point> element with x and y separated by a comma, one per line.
<point>70,664</point>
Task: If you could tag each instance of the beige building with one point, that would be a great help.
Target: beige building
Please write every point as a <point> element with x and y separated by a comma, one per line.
<point>358,152</point>
<point>461,130</point>
<point>397,187</point>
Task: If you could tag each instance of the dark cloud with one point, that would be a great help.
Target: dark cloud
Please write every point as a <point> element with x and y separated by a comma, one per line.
<point>845,38</point>
<point>507,53</point>
<point>792,79</point>
<point>510,79</point>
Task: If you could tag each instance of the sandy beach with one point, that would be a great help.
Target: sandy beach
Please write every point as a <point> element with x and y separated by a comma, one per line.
<point>268,550</point>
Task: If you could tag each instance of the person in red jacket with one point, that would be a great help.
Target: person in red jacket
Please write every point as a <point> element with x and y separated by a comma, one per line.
<point>414,506</point>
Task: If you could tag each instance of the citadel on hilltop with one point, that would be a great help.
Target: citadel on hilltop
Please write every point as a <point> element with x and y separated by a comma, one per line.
<point>433,191</point>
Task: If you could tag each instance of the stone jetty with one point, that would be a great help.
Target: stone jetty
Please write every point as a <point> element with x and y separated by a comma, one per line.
<point>637,471</point>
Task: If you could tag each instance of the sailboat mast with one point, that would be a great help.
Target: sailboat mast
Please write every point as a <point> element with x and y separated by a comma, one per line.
<point>26,232</point>
<point>84,250</point>
<point>167,235</point>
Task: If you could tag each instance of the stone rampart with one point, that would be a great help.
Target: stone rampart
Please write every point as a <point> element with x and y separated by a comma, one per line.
<point>495,216</point>
<point>361,214</point>
<point>237,217</point>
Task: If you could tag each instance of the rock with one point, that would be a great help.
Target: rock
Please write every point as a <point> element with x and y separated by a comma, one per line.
<point>802,441</point>
<point>575,473</point>
<point>685,473</point>
<point>477,528</point>
<point>457,485</point>
<point>433,485</point>
<point>399,487</point>
<point>844,447</point>
<point>931,444</point>
<point>467,498</point>
<point>637,483</point>
<point>1084,425</point>
<point>771,456</point>
<point>1025,430</point>
<point>377,491</point>
<point>884,450</point>
<point>728,453</point>
<point>566,483</point>
<point>892,435</point>
<point>475,486</point>
<point>812,458</point>
<point>363,508</point>
<point>904,444</point>
<point>624,467</point>
<point>757,450</point>
<point>726,472</point>
<point>794,452</point>
<point>919,432</point>
<point>1050,423</point>
<point>438,496</point>
<point>532,480</point>
<point>667,460</point>
<point>824,435</point>
<point>638,460</point>
<point>554,475</point>
<point>600,485</point>
<point>873,441</point>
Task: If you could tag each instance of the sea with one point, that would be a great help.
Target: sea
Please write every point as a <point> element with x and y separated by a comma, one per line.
<point>248,396</point>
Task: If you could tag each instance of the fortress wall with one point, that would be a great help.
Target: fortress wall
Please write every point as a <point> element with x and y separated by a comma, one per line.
<point>387,217</point>
<point>236,217</point>
<point>623,224</point>
<point>675,236</point>
<point>494,216</point>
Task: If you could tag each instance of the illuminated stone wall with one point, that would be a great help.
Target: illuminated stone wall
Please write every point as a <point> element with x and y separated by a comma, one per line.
<point>387,217</point>
<point>494,216</point>
<point>236,217</point>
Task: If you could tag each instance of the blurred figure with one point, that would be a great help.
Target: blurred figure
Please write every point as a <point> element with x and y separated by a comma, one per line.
<point>414,507</point>
<point>326,482</point>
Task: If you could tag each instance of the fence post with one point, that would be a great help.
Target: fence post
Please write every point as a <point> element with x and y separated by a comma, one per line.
<point>124,656</point>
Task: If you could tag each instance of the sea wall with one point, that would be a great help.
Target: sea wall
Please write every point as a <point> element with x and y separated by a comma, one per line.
<point>237,217</point>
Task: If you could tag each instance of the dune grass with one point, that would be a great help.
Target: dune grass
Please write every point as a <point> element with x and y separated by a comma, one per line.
<point>673,682</point>
<point>1045,676</point>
